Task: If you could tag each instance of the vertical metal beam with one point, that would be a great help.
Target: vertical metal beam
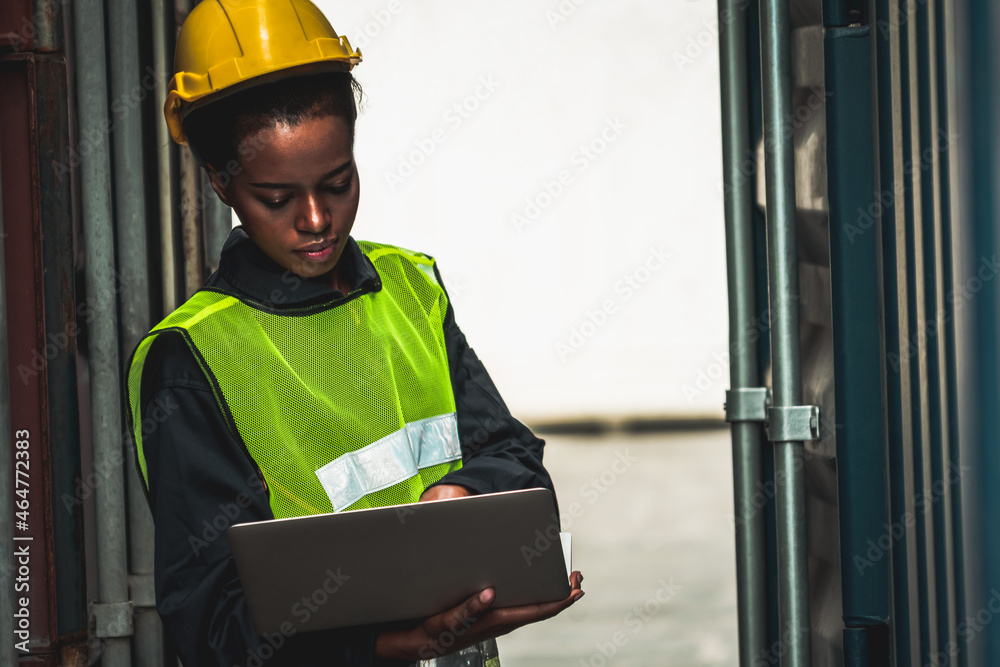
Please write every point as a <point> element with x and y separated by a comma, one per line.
<point>783,298</point>
<point>7,653</point>
<point>28,344</point>
<point>47,24</point>
<point>977,23</point>
<point>895,318</point>
<point>130,208</point>
<point>855,207</point>
<point>744,371</point>
<point>951,214</point>
<point>192,222</point>
<point>916,343</point>
<point>163,65</point>
<point>192,202</point>
<point>218,224</point>
<point>99,246</point>
<point>934,143</point>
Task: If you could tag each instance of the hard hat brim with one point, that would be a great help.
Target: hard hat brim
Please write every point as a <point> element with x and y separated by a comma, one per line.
<point>177,109</point>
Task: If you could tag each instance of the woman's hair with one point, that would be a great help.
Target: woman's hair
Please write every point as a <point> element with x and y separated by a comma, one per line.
<point>214,131</point>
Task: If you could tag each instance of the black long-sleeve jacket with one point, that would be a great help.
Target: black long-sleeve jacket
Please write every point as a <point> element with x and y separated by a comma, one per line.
<point>202,480</point>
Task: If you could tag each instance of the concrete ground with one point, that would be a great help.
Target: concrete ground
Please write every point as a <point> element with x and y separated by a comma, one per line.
<point>653,537</point>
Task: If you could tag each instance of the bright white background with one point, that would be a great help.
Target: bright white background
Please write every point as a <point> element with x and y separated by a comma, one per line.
<point>637,81</point>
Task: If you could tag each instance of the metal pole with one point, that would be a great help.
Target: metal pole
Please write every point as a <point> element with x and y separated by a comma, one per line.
<point>47,24</point>
<point>163,65</point>
<point>192,203</point>
<point>130,206</point>
<point>751,565</point>
<point>99,246</point>
<point>783,299</point>
<point>192,222</point>
<point>218,225</point>
<point>7,653</point>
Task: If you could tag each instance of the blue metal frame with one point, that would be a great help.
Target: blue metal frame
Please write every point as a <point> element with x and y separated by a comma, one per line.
<point>854,268</point>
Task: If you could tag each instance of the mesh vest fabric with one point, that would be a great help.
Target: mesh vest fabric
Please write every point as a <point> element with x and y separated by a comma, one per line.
<point>301,388</point>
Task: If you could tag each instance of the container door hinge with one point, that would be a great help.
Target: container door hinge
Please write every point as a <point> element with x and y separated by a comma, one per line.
<point>747,404</point>
<point>797,423</point>
<point>113,619</point>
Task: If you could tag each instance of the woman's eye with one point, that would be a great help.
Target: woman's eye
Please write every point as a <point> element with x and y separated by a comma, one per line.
<point>275,204</point>
<point>338,189</point>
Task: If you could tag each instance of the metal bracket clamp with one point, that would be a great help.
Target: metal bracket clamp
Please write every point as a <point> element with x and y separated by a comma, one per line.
<point>793,424</point>
<point>141,588</point>
<point>747,404</point>
<point>113,619</point>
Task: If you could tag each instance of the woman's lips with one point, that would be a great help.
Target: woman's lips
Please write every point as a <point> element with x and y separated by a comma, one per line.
<point>317,252</point>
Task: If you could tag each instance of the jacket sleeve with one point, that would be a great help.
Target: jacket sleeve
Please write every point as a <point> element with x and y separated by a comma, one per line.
<point>201,481</point>
<point>499,453</point>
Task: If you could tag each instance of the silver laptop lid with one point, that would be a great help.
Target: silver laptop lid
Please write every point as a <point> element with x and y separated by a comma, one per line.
<point>400,562</point>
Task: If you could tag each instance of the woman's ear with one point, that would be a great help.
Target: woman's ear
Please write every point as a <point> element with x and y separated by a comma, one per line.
<point>219,181</point>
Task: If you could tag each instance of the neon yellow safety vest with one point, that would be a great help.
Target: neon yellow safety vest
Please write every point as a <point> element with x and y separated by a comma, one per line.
<point>343,405</point>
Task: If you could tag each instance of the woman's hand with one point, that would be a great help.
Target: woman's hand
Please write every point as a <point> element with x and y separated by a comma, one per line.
<point>469,623</point>
<point>443,491</point>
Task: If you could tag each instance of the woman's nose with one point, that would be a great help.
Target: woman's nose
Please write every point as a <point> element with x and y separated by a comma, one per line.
<point>314,218</point>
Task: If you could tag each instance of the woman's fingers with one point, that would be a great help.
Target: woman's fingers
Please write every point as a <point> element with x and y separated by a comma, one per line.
<point>474,620</point>
<point>443,630</point>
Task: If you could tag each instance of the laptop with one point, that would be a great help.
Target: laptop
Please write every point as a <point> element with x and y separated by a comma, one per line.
<point>400,562</point>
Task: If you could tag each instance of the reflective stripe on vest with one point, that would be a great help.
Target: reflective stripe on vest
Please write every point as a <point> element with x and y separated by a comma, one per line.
<point>341,406</point>
<point>394,458</point>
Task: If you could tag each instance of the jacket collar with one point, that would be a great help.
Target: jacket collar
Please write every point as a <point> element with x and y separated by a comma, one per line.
<point>246,270</point>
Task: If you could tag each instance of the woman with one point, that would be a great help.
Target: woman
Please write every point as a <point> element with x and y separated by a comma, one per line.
<point>303,347</point>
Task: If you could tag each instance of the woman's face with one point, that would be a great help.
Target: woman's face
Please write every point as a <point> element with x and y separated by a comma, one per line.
<point>296,193</point>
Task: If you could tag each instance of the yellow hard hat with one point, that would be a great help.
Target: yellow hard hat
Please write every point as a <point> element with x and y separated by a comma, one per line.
<point>226,45</point>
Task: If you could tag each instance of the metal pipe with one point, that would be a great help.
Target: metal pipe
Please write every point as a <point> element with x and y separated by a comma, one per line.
<point>751,594</point>
<point>130,208</point>
<point>192,203</point>
<point>162,64</point>
<point>783,299</point>
<point>47,23</point>
<point>7,653</point>
<point>218,225</point>
<point>192,236</point>
<point>105,398</point>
